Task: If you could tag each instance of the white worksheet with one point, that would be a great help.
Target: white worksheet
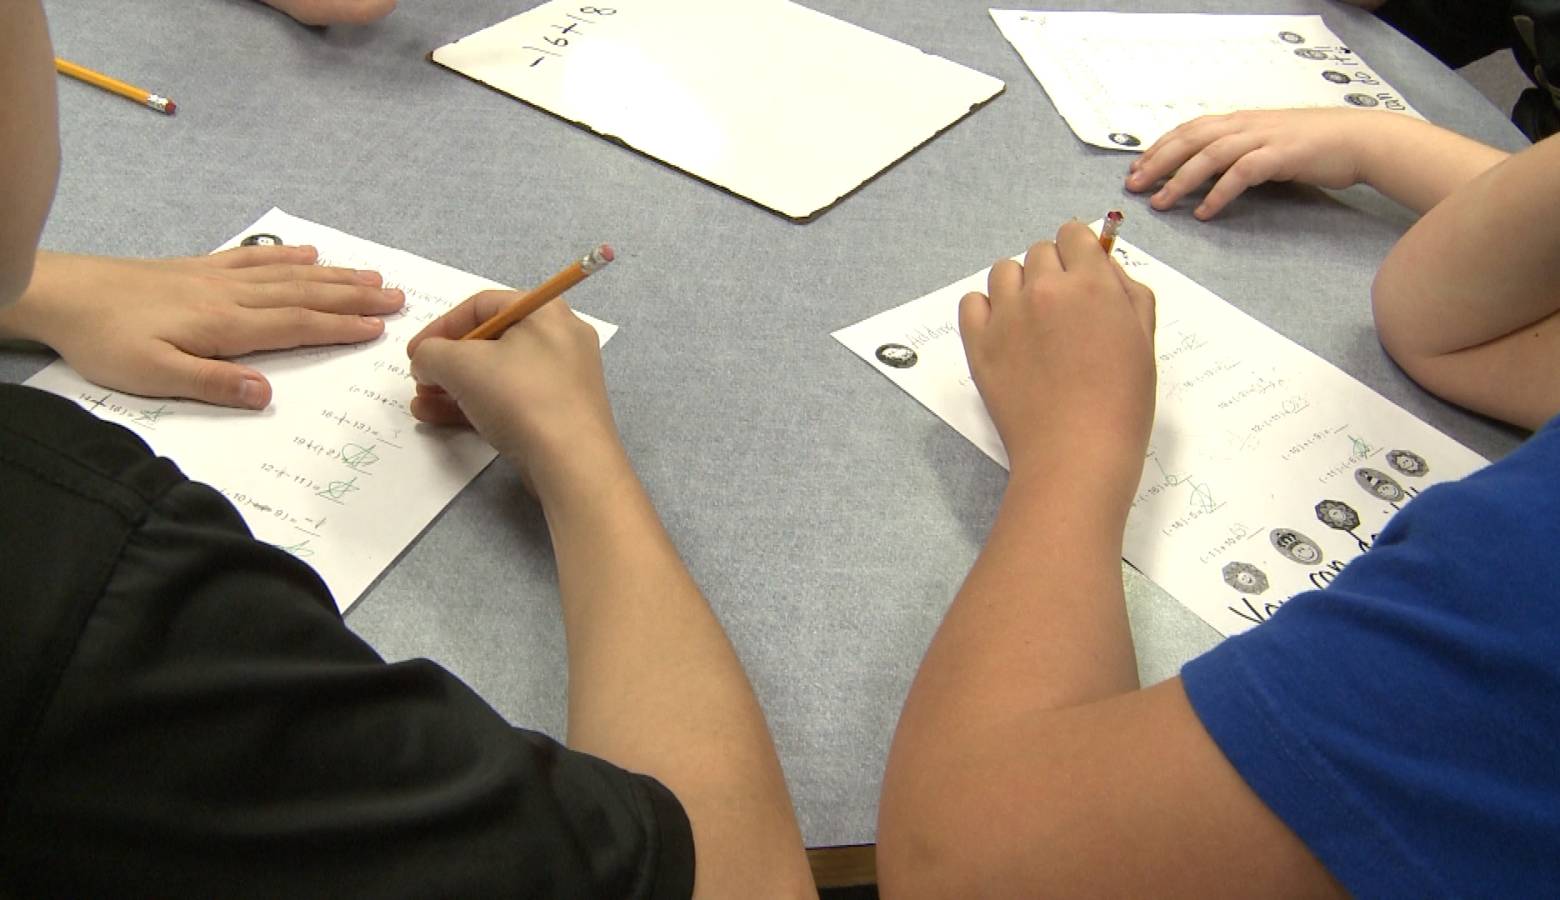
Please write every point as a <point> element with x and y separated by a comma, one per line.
<point>1267,470</point>
<point>1122,80</point>
<point>772,101</point>
<point>336,471</point>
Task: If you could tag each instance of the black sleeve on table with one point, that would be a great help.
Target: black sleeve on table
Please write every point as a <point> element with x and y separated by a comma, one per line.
<point>186,714</point>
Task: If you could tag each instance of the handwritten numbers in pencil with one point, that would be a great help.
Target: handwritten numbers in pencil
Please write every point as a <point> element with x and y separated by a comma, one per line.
<point>337,491</point>
<point>569,30</point>
<point>359,457</point>
<point>299,521</point>
<point>302,550</point>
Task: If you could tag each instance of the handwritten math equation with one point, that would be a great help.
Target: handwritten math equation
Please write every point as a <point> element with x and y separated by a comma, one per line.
<point>355,456</point>
<point>569,29</point>
<point>383,434</point>
<point>244,500</point>
<point>138,412</point>
<point>305,487</point>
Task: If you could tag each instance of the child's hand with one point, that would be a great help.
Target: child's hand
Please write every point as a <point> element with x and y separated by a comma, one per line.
<point>161,328</point>
<point>537,393</point>
<point>1063,354</point>
<point>1313,146</point>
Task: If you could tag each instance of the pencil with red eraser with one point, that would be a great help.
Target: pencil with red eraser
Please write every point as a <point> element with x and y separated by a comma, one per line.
<point>115,86</point>
<point>1112,224</point>
<point>542,294</point>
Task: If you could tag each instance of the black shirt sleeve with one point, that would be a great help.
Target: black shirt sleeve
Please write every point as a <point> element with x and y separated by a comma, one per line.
<point>185,714</point>
<point>1456,32</point>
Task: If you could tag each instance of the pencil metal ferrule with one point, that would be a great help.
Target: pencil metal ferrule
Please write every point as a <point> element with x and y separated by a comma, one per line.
<point>159,103</point>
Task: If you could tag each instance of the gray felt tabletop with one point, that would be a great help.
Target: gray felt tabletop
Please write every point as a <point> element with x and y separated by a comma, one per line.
<point>827,515</point>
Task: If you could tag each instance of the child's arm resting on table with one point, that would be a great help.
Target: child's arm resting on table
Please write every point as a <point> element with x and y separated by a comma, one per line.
<point>1468,302</point>
<point>1026,759</point>
<point>1411,161</point>
<point>162,327</point>
<point>654,685</point>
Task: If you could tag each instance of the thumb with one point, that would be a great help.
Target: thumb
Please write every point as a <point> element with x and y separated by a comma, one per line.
<point>174,373</point>
<point>974,315</point>
<point>473,311</point>
<point>1144,305</point>
<point>1139,296</point>
<point>440,362</point>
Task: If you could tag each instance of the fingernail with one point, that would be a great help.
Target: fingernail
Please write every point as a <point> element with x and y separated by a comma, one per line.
<point>373,321</point>
<point>395,294</point>
<point>364,276</point>
<point>251,392</point>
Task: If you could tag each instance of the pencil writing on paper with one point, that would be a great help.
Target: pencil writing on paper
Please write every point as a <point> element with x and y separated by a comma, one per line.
<point>1267,470</point>
<point>336,471</point>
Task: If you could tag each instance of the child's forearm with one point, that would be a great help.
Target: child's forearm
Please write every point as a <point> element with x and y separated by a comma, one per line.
<point>655,686</point>
<point>1416,163</point>
<point>1468,300</point>
<point>38,310</point>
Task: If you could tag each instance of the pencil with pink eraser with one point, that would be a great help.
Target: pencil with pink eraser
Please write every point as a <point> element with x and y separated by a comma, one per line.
<point>542,294</point>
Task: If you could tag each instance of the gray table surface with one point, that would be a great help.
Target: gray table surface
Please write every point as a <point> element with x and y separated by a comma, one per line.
<point>828,516</point>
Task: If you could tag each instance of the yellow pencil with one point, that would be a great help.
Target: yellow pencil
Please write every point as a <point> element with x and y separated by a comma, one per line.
<point>114,85</point>
<point>541,295</point>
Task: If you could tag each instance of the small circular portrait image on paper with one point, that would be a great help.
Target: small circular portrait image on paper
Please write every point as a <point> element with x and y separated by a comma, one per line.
<point>1363,101</point>
<point>1337,514</point>
<point>1381,484</point>
<point>1122,139</point>
<point>1245,577</point>
<point>1308,53</point>
<point>897,355</point>
<point>261,240</point>
<point>1336,77</point>
<point>1407,462</point>
<point>1289,37</point>
<point>1296,546</point>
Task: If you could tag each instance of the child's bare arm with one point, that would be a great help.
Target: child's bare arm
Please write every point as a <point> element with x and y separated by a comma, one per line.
<point>1468,302</point>
<point>29,141</point>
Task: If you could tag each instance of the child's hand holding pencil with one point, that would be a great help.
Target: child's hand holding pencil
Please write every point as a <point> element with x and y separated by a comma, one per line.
<point>535,391</point>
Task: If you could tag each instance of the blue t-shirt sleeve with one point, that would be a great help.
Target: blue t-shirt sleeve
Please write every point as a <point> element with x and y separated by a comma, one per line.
<point>1403,722</point>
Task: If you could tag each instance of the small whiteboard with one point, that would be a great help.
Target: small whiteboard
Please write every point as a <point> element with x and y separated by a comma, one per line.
<point>1122,80</point>
<point>770,100</point>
